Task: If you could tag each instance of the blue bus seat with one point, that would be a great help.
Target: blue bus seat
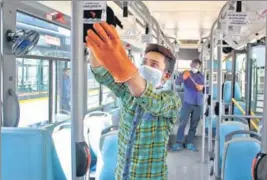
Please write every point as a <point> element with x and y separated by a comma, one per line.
<point>228,127</point>
<point>207,122</point>
<point>237,158</point>
<point>228,66</point>
<point>107,157</point>
<point>237,111</point>
<point>227,92</point>
<point>29,154</point>
<point>215,91</point>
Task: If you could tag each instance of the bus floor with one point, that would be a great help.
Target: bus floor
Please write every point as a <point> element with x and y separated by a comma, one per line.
<point>187,165</point>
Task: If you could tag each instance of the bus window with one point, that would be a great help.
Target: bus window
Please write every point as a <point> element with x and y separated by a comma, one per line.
<point>93,91</point>
<point>63,91</point>
<point>32,89</point>
<point>33,73</point>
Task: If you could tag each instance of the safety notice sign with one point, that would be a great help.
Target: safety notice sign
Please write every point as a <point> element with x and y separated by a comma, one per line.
<point>147,38</point>
<point>94,11</point>
<point>237,18</point>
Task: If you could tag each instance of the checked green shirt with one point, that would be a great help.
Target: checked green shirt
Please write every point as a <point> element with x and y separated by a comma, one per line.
<point>145,125</point>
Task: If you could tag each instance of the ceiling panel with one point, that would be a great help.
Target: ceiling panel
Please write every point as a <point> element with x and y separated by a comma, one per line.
<point>181,19</point>
<point>185,19</point>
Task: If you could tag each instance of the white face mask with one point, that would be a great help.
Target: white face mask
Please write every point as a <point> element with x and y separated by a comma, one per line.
<point>194,70</point>
<point>152,75</point>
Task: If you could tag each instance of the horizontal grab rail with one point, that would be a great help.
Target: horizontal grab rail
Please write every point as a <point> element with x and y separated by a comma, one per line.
<point>241,116</point>
<point>243,112</point>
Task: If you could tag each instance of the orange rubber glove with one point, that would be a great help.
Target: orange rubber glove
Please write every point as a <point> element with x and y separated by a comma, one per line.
<point>108,49</point>
<point>199,87</point>
<point>186,75</point>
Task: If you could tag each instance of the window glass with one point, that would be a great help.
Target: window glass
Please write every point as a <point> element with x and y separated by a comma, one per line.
<point>54,40</point>
<point>108,95</point>
<point>93,90</point>
<point>32,90</point>
<point>63,91</point>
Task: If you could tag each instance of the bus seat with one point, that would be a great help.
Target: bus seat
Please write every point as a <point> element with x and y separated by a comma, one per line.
<point>227,92</point>
<point>228,127</point>
<point>215,91</point>
<point>207,122</point>
<point>228,66</point>
<point>238,155</point>
<point>29,154</point>
<point>94,123</point>
<point>237,111</point>
<point>107,157</point>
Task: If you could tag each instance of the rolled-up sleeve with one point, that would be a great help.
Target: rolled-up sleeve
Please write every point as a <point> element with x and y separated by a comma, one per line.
<point>103,77</point>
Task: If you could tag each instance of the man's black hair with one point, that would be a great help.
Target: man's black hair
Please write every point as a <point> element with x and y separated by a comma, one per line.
<point>170,59</point>
<point>197,61</point>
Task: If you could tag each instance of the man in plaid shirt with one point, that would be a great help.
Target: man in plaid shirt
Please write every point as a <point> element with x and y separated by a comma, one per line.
<point>149,107</point>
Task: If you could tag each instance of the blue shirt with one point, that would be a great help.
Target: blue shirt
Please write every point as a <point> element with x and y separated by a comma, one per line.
<point>191,94</point>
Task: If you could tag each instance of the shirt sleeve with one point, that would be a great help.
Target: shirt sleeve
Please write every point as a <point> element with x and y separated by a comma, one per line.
<point>103,77</point>
<point>165,104</point>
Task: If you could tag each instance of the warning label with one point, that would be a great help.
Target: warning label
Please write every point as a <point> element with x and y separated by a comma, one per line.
<point>235,18</point>
<point>94,12</point>
<point>94,5</point>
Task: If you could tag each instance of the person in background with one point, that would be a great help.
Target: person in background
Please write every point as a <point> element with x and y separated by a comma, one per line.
<point>65,91</point>
<point>149,108</point>
<point>193,81</point>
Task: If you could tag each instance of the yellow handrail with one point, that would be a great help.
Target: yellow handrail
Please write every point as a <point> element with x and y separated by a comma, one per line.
<point>243,112</point>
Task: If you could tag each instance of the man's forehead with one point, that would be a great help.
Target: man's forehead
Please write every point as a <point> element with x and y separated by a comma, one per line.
<point>195,63</point>
<point>154,56</point>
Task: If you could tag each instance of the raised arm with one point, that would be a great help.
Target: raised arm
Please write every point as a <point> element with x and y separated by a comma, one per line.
<point>103,77</point>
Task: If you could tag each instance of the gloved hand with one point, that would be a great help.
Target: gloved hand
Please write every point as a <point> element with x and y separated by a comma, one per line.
<point>108,49</point>
<point>186,75</point>
<point>199,87</point>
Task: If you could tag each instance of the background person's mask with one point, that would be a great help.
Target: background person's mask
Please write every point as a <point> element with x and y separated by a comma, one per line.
<point>152,75</point>
<point>194,70</point>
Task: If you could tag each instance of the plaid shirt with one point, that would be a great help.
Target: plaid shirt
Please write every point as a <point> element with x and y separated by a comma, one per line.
<point>145,126</point>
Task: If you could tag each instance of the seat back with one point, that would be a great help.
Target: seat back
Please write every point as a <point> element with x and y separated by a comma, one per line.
<point>62,138</point>
<point>107,157</point>
<point>95,122</point>
<point>207,124</point>
<point>238,156</point>
<point>227,92</point>
<point>237,111</point>
<point>228,127</point>
<point>215,91</point>
<point>29,154</point>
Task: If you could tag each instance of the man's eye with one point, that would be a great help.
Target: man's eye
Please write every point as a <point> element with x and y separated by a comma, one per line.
<point>154,65</point>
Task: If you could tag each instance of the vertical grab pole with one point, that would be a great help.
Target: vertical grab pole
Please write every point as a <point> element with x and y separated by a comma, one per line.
<point>248,80</point>
<point>204,70</point>
<point>231,108</point>
<point>219,99</point>
<point>1,114</point>
<point>211,113</point>
<point>77,110</point>
<point>264,140</point>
